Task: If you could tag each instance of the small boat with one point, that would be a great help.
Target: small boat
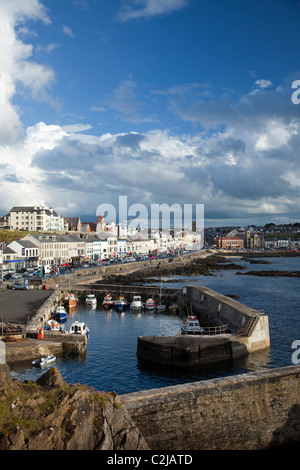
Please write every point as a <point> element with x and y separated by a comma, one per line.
<point>108,302</point>
<point>160,307</point>
<point>61,314</point>
<point>173,308</point>
<point>91,300</point>
<point>190,326</point>
<point>70,301</point>
<point>43,361</point>
<point>79,328</point>
<point>149,304</point>
<point>53,325</point>
<point>136,303</point>
<point>120,304</point>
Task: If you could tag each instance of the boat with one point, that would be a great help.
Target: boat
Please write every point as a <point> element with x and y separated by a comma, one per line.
<point>149,304</point>
<point>120,304</point>
<point>53,325</point>
<point>161,306</point>
<point>79,328</point>
<point>60,314</point>
<point>108,302</point>
<point>136,303</point>
<point>43,361</point>
<point>70,301</point>
<point>190,326</point>
<point>91,300</point>
<point>173,308</point>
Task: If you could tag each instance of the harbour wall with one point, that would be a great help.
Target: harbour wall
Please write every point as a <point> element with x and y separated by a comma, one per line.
<point>255,411</point>
<point>250,326</point>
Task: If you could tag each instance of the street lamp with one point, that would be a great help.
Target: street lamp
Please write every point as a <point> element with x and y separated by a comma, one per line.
<point>2,254</point>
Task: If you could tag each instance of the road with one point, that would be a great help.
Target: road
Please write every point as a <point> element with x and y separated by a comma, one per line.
<point>17,306</point>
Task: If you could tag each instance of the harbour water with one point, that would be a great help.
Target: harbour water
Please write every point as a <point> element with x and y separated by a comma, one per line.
<point>111,363</point>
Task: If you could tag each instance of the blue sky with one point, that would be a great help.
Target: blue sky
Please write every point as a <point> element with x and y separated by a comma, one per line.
<point>164,101</point>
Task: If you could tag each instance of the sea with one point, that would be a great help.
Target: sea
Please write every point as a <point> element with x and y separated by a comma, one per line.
<point>111,362</point>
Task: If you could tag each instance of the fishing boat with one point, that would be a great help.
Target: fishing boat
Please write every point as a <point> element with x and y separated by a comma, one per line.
<point>79,328</point>
<point>136,303</point>
<point>190,326</point>
<point>91,300</point>
<point>70,301</point>
<point>108,302</point>
<point>120,304</point>
<point>43,361</point>
<point>60,314</point>
<point>149,304</point>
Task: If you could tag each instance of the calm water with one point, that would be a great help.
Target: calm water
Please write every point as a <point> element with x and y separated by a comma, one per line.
<point>111,362</point>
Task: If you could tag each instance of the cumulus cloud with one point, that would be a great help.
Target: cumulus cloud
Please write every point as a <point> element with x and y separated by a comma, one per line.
<point>16,67</point>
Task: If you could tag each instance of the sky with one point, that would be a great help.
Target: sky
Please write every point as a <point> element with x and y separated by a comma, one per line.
<point>162,101</point>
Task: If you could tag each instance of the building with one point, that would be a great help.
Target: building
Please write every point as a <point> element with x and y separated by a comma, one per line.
<point>73,224</point>
<point>26,250</point>
<point>35,218</point>
<point>229,243</point>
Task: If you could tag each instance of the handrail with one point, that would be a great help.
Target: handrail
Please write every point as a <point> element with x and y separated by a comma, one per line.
<point>215,330</point>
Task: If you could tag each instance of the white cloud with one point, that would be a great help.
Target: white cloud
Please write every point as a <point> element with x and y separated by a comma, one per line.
<point>16,66</point>
<point>135,9</point>
<point>68,31</point>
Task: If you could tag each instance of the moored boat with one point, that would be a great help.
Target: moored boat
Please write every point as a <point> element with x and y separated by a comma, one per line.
<point>161,306</point>
<point>136,303</point>
<point>149,304</point>
<point>70,301</point>
<point>108,302</point>
<point>60,314</point>
<point>91,300</point>
<point>190,326</point>
<point>43,361</point>
<point>120,304</point>
<point>53,325</point>
<point>79,328</point>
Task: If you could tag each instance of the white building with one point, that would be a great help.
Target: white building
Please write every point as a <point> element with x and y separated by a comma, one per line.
<point>35,218</point>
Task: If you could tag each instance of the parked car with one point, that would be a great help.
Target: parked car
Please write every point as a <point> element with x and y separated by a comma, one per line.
<point>19,286</point>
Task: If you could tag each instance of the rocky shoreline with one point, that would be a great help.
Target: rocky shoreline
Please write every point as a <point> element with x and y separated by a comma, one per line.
<point>49,414</point>
<point>181,267</point>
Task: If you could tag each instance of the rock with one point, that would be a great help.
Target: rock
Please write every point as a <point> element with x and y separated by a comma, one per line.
<point>4,375</point>
<point>51,378</point>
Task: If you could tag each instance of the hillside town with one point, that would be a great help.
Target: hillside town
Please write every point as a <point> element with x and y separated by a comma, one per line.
<point>49,240</point>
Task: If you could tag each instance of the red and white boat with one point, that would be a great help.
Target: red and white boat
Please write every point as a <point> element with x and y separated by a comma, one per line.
<point>149,304</point>
<point>108,302</point>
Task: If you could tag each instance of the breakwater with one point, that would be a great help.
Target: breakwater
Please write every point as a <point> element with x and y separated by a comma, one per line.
<point>253,411</point>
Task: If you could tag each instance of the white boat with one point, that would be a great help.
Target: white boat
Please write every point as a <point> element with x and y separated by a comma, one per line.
<point>43,361</point>
<point>79,328</point>
<point>136,303</point>
<point>91,300</point>
<point>190,326</point>
<point>149,304</point>
<point>54,325</point>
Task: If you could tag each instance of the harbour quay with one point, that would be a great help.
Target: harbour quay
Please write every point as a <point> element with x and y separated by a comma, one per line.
<point>22,316</point>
